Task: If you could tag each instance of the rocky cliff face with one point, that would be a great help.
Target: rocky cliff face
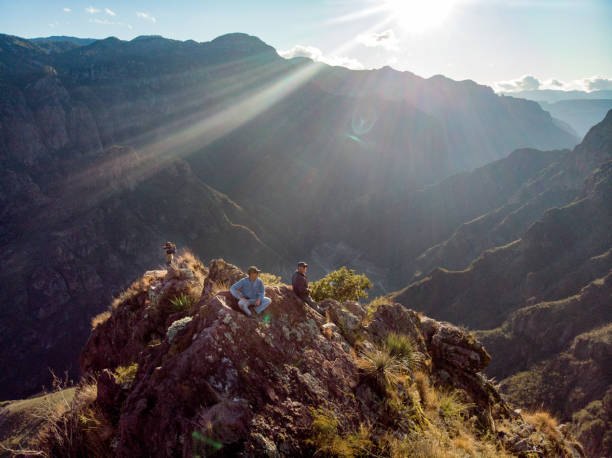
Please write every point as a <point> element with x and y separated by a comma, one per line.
<point>202,378</point>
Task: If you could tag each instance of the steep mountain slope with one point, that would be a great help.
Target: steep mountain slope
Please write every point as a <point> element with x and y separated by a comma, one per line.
<point>550,261</point>
<point>204,379</point>
<point>92,141</point>
<point>554,185</point>
<point>547,295</point>
<point>554,257</point>
<point>557,356</point>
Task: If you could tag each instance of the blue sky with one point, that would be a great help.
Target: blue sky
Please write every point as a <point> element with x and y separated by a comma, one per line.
<point>513,44</point>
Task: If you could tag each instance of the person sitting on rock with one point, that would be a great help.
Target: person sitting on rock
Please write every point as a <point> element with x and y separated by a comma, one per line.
<point>170,249</point>
<point>299,281</point>
<point>250,291</point>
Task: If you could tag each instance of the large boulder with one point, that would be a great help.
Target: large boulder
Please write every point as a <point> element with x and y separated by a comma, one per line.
<point>452,345</point>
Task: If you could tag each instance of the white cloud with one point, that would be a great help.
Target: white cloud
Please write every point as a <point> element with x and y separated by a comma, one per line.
<point>531,83</point>
<point>107,22</point>
<point>597,83</point>
<point>92,10</point>
<point>524,83</point>
<point>316,55</point>
<point>101,21</point>
<point>146,16</point>
<point>67,10</point>
<point>109,12</point>
<point>386,39</point>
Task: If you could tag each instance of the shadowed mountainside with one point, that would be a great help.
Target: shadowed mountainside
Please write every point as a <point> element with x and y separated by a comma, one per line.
<point>547,295</point>
<point>559,252</point>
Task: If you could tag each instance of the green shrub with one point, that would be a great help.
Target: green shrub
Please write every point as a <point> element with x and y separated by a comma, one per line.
<point>125,375</point>
<point>342,285</point>
<point>270,279</point>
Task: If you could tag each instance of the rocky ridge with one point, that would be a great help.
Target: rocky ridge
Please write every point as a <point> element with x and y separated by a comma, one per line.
<point>206,379</point>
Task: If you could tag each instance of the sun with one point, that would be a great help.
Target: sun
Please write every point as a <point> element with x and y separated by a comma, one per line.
<point>419,15</point>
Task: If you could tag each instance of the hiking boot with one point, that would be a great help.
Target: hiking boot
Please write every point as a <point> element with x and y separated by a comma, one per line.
<point>244,306</point>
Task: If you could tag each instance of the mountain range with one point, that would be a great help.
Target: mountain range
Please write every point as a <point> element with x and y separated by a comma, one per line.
<point>578,110</point>
<point>111,148</point>
<point>475,208</point>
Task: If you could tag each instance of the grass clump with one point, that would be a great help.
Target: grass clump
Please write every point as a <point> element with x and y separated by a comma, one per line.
<point>126,295</point>
<point>547,426</point>
<point>328,441</point>
<point>426,393</point>
<point>182,303</point>
<point>450,407</point>
<point>76,427</point>
<point>403,348</point>
<point>382,368</point>
<point>218,287</point>
<point>424,444</point>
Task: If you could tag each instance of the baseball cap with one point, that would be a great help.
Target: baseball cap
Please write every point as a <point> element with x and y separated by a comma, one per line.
<point>302,264</point>
<point>253,269</point>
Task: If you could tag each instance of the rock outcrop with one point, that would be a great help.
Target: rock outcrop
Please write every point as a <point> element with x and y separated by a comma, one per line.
<point>233,385</point>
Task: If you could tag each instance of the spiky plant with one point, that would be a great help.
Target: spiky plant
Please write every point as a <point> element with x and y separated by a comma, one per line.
<point>404,349</point>
<point>381,367</point>
<point>182,302</point>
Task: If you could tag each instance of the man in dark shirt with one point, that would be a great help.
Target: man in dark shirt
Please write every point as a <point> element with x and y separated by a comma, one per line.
<point>299,281</point>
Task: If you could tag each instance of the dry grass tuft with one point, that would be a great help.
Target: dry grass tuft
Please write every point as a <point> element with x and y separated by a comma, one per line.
<point>76,427</point>
<point>99,319</point>
<point>426,392</point>
<point>219,287</point>
<point>451,408</point>
<point>328,441</point>
<point>543,423</point>
<point>373,306</point>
